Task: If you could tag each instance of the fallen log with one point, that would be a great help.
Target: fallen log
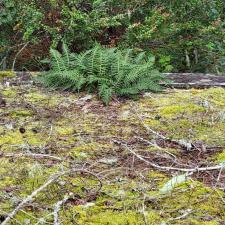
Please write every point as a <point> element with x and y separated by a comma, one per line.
<point>177,80</point>
<point>196,80</point>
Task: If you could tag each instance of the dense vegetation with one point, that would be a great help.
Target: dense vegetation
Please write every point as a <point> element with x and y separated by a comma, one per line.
<point>66,158</point>
<point>183,35</point>
<point>108,70</point>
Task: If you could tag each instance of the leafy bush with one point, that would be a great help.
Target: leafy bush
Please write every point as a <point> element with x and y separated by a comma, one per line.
<point>108,71</point>
<point>188,36</point>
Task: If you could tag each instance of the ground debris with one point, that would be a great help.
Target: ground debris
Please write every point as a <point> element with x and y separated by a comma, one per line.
<point>44,133</point>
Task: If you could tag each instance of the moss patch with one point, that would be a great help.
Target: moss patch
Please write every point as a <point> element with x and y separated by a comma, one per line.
<point>36,121</point>
<point>7,74</point>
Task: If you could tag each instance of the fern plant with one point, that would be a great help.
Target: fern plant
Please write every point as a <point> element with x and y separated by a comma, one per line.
<point>107,71</point>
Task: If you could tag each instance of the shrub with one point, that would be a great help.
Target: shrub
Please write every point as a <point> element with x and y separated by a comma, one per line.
<point>189,35</point>
<point>108,71</point>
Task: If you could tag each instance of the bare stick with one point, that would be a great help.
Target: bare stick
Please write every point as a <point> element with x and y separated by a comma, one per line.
<point>14,62</point>
<point>156,146</point>
<point>32,155</point>
<point>187,213</point>
<point>181,143</point>
<point>57,207</point>
<point>41,188</point>
<point>167,168</point>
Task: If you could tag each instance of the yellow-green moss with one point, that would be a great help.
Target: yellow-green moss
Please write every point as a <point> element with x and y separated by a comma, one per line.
<point>187,114</point>
<point>1,129</point>
<point>10,93</point>
<point>220,158</point>
<point>98,216</point>
<point>16,138</point>
<point>67,130</point>
<point>20,113</point>
<point>179,114</point>
<point>175,110</point>
<point>41,99</point>
<point>192,221</point>
<point>189,195</point>
<point>7,74</point>
<point>85,148</point>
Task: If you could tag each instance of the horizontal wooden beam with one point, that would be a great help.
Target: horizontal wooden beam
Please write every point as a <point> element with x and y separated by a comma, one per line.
<point>197,80</point>
<point>178,80</point>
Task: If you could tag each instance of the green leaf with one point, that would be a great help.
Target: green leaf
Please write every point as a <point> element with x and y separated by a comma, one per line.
<point>171,184</point>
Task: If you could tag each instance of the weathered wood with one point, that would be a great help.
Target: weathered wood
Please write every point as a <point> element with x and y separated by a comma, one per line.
<point>178,80</point>
<point>197,80</point>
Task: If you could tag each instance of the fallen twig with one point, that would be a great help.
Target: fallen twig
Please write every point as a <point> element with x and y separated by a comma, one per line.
<point>167,168</point>
<point>187,213</point>
<point>32,155</point>
<point>156,146</point>
<point>184,144</point>
<point>57,207</point>
<point>41,188</point>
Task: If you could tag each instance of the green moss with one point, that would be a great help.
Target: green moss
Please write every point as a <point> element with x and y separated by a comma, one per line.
<point>220,158</point>
<point>10,93</point>
<point>66,130</point>
<point>97,216</point>
<point>16,138</point>
<point>7,74</point>
<point>20,113</point>
<point>175,110</point>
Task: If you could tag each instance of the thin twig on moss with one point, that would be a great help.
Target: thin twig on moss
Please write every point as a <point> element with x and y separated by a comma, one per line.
<point>52,179</point>
<point>58,206</point>
<point>168,168</point>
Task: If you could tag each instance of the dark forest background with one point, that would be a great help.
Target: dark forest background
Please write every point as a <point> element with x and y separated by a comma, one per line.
<point>184,36</point>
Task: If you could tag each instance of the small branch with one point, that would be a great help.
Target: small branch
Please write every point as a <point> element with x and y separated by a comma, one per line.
<point>30,198</point>
<point>156,146</point>
<point>187,213</point>
<point>181,143</point>
<point>58,206</point>
<point>32,155</point>
<point>14,61</point>
<point>167,168</point>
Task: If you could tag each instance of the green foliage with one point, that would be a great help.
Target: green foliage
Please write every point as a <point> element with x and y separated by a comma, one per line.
<point>189,35</point>
<point>109,71</point>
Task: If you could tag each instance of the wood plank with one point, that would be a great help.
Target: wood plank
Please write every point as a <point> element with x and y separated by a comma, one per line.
<point>178,80</point>
<point>197,80</point>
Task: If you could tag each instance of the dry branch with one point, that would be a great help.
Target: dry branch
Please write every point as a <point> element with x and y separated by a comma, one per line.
<point>168,168</point>
<point>58,206</point>
<point>181,143</point>
<point>32,155</point>
<point>30,198</point>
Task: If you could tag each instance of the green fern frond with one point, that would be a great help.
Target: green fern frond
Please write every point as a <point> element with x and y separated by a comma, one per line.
<point>108,71</point>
